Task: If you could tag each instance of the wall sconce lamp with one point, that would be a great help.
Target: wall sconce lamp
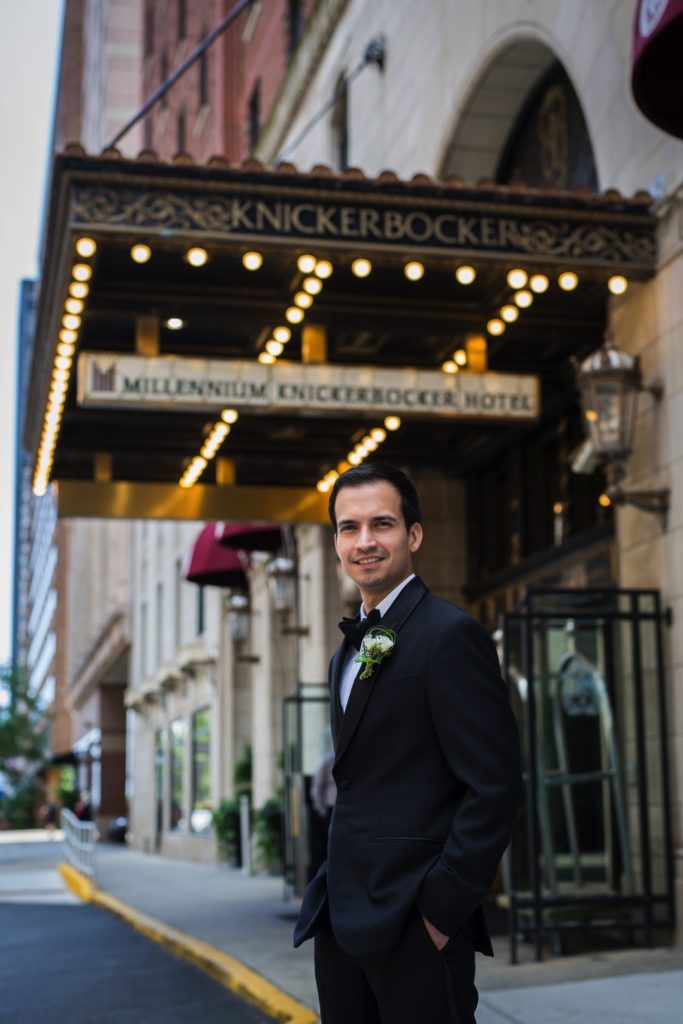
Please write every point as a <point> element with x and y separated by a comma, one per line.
<point>238,612</point>
<point>609,381</point>
<point>282,580</point>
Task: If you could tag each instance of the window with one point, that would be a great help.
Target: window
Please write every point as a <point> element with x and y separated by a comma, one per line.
<point>159,625</point>
<point>254,116</point>
<point>164,76</point>
<point>177,735</point>
<point>200,610</point>
<point>159,784</point>
<point>200,819</point>
<point>204,76</point>
<point>295,19</point>
<point>149,28</point>
<point>181,132</point>
<point>144,645</point>
<point>340,125</point>
<point>182,20</point>
<point>178,603</point>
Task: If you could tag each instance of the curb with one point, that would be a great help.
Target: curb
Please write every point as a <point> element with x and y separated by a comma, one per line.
<point>231,973</point>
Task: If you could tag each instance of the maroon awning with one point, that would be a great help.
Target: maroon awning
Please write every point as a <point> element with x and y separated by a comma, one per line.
<point>656,78</point>
<point>251,536</point>
<point>210,564</point>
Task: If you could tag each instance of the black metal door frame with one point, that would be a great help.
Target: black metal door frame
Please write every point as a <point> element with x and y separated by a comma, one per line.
<point>632,913</point>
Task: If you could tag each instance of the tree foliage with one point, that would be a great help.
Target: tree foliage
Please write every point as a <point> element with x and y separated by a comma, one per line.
<point>22,727</point>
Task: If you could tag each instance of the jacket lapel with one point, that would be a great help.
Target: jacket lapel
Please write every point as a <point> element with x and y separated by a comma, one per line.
<point>336,711</point>
<point>406,602</point>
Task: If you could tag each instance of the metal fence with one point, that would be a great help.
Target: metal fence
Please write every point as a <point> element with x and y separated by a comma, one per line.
<point>80,839</point>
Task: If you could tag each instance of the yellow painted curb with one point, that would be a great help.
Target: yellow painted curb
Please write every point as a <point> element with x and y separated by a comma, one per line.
<point>236,976</point>
<point>76,882</point>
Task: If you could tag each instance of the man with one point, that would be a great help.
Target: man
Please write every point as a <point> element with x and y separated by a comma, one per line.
<point>428,775</point>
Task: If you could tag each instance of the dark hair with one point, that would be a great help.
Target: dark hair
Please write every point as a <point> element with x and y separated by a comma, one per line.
<point>371,473</point>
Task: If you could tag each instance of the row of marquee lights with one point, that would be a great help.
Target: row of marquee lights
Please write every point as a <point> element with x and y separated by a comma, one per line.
<point>74,304</point>
<point>316,271</point>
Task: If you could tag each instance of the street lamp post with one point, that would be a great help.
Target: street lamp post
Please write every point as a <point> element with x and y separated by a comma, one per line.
<point>609,381</point>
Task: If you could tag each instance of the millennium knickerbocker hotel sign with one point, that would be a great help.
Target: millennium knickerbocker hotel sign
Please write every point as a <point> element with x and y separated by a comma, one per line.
<point>190,385</point>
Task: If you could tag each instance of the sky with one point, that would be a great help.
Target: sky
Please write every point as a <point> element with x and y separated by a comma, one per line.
<point>29,42</point>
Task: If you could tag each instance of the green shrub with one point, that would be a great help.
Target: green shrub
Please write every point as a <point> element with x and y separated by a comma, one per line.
<point>269,830</point>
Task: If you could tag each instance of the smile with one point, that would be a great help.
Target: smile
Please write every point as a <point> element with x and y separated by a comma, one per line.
<point>368,561</point>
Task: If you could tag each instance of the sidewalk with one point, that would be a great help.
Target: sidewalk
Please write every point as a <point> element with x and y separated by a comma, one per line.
<point>248,919</point>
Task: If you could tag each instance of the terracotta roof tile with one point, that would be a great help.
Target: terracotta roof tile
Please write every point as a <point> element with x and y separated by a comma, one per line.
<point>386,178</point>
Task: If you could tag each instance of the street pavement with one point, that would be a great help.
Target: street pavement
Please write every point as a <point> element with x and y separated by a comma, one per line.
<point>249,919</point>
<point>62,960</point>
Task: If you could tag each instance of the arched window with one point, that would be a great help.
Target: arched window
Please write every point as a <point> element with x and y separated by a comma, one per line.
<point>549,142</point>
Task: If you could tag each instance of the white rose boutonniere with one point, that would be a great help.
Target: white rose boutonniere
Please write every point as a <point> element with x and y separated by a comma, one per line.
<point>377,644</point>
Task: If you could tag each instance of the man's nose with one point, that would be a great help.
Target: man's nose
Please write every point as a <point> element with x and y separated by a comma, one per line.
<point>366,537</point>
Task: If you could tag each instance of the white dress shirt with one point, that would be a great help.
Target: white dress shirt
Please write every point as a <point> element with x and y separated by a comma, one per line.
<point>351,668</point>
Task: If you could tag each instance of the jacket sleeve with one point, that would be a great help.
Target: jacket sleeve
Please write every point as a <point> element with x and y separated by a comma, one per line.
<point>478,736</point>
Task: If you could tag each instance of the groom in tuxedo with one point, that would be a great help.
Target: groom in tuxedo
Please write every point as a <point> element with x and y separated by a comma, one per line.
<point>427,767</point>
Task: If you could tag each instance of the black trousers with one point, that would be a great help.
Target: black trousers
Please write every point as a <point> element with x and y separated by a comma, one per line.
<point>413,981</point>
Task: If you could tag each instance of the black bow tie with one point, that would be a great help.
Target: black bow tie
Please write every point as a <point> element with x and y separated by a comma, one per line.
<point>355,629</point>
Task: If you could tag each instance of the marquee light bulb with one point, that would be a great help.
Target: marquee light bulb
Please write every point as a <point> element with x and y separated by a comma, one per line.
<point>275,348</point>
<point>414,270</point>
<point>63,349</point>
<point>323,269</point>
<point>568,281</point>
<point>140,253</point>
<point>174,323</point>
<point>294,314</point>
<point>369,443</point>
<point>523,298</point>
<point>78,289</point>
<point>517,278</point>
<point>605,500</point>
<point>303,300</point>
<point>306,263</point>
<point>495,326</point>
<point>450,366</point>
<point>229,415</point>
<point>252,260</point>
<point>509,314</point>
<point>460,357</point>
<point>74,305</point>
<point>282,334</point>
<point>312,285</point>
<point>81,272</point>
<point>266,358</point>
<point>617,284</point>
<point>354,458</point>
<point>361,267</point>
<point>392,422</point>
<point>86,247</point>
<point>71,322</point>
<point>465,274</point>
<point>196,256</point>
<point>67,336</point>
<point>378,434</point>
<point>538,283</point>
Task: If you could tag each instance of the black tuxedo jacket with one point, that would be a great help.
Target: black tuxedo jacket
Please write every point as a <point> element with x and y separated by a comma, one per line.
<point>428,776</point>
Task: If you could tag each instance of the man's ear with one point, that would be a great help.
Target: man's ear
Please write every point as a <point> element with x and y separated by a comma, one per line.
<point>415,537</point>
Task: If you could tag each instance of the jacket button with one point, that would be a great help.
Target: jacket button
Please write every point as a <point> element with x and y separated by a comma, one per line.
<point>344,784</point>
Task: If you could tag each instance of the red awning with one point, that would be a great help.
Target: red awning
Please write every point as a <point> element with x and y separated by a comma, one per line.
<point>656,63</point>
<point>210,564</point>
<point>251,536</point>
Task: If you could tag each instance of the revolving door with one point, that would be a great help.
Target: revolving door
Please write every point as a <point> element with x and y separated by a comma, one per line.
<point>593,848</point>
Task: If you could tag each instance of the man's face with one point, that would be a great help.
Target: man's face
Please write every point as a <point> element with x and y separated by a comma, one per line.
<point>372,542</point>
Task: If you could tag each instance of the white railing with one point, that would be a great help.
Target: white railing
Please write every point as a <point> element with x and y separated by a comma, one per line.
<point>80,839</point>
